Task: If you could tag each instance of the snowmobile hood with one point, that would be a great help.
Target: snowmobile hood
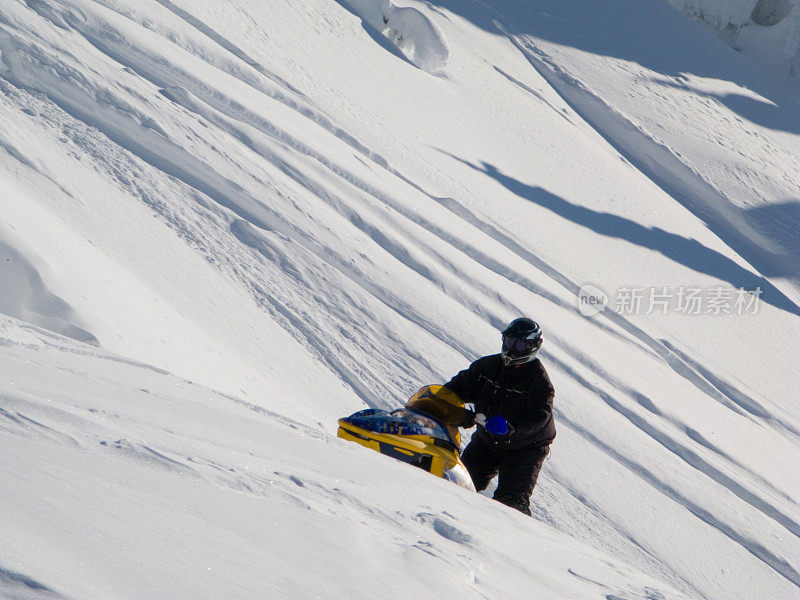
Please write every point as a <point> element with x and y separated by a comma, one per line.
<point>412,435</point>
<point>440,403</point>
<point>409,445</point>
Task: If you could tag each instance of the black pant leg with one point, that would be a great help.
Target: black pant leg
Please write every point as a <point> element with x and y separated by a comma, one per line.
<point>478,459</point>
<point>519,470</point>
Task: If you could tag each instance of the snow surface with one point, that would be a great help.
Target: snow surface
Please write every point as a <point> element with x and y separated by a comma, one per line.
<point>768,31</point>
<point>225,224</point>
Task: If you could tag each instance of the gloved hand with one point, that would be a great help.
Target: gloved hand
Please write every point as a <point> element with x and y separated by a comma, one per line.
<point>468,420</point>
<point>498,429</point>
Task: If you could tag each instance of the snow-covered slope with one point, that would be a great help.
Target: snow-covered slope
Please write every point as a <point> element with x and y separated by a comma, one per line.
<point>126,482</point>
<point>768,31</point>
<point>311,207</point>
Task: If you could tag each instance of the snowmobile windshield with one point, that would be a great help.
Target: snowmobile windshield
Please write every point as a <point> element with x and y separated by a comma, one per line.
<point>401,421</point>
<point>415,423</point>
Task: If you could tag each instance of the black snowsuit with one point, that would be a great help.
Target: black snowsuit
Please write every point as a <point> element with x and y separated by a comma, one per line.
<point>523,395</point>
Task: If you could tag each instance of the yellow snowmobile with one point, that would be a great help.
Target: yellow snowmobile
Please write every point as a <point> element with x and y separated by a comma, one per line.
<point>424,433</point>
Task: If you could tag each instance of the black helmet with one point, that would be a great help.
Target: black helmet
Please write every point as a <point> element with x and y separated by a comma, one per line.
<point>521,341</point>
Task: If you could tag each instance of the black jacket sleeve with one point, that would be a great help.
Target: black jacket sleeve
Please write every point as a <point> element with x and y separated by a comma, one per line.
<point>464,384</point>
<point>541,395</point>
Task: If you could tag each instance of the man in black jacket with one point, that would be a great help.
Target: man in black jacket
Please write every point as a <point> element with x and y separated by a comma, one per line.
<point>513,400</point>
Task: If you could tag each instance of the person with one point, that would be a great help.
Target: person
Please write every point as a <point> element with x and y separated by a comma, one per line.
<point>513,399</point>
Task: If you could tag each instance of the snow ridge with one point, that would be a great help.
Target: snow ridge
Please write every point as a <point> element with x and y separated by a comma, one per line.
<point>409,29</point>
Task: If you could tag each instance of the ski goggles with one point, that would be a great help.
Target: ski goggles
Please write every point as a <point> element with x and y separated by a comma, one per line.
<point>513,344</point>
